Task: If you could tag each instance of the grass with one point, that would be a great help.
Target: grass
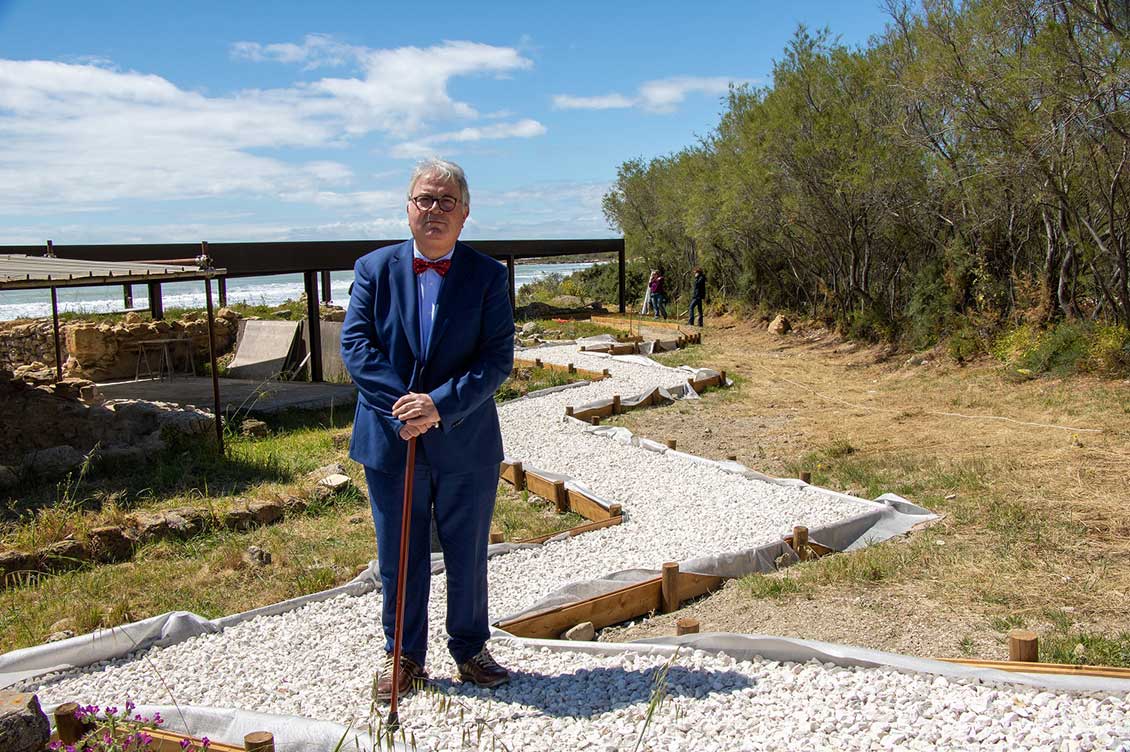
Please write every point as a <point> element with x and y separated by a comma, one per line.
<point>526,380</point>
<point>312,551</point>
<point>1033,516</point>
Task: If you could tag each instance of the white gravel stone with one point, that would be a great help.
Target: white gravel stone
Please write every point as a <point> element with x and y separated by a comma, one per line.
<point>318,661</point>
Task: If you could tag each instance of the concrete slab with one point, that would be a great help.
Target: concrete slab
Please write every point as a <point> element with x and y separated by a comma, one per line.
<point>247,396</point>
<point>263,348</point>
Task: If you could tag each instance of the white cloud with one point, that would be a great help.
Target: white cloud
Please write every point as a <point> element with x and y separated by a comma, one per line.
<point>316,51</point>
<point>661,95</point>
<point>81,137</point>
<point>606,102</point>
<point>425,147</point>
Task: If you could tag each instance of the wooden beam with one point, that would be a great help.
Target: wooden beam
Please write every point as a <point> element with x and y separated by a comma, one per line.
<point>553,490</point>
<point>573,531</point>
<point>620,605</point>
<point>587,507</point>
<point>513,473</point>
<point>1058,669</point>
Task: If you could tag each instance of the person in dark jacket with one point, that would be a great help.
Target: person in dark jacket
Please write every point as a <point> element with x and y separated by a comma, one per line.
<point>698,295</point>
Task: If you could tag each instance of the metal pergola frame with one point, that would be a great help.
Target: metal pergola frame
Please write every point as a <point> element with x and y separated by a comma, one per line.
<point>310,258</point>
<point>48,271</point>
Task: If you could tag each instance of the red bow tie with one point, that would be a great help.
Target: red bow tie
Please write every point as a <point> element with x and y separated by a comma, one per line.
<point>420,266</point>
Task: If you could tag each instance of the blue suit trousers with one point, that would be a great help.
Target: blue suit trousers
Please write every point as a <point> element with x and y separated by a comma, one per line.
<point>463,504</point>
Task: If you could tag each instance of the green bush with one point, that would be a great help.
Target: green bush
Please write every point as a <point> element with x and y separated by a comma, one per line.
<point>1067,347</point>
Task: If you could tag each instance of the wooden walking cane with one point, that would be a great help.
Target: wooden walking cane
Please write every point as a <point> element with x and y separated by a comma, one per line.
<point>401,581</point>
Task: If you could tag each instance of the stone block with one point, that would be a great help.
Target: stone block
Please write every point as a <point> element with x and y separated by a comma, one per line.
<point>583,632</point>
<point>15,563</point>
<point>336,483</point>
<point>63,555</point>
<point>253,427</point>
<point>239,518</point>
<point>23,724</point>
<point>266,512</point>
<point>257,557</point>
<point>780,325</point>
<point>55,462</point>
<point>110,544</point>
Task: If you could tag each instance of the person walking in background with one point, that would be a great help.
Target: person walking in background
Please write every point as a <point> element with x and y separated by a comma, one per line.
<point>698,295</point>
<point>658,294</point>
<point>646,308</point>
<point>428,338</point>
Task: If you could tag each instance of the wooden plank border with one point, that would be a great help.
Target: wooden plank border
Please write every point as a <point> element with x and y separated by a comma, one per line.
<point>620,605</point>
<point>570,368</point>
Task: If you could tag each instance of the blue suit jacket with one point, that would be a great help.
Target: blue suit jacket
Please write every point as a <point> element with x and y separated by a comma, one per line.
<point>471,352</point>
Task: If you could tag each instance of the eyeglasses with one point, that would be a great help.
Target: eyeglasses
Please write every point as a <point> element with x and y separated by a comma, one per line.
<point>424,202</point>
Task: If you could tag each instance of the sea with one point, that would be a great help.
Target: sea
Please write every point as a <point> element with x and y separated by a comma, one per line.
<point>272,290</point>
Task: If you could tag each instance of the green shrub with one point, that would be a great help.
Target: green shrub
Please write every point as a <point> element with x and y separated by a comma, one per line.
<point>1068,347</point>
<point>966,342</point>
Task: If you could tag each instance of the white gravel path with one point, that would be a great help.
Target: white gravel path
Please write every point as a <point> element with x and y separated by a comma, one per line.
<point>318,661</point>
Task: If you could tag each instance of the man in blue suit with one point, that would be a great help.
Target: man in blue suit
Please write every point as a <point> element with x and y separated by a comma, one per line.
<point>428,338</point>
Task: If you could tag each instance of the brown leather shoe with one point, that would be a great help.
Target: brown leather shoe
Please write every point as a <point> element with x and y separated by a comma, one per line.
<point>412,676</point>
<point>483,671</point>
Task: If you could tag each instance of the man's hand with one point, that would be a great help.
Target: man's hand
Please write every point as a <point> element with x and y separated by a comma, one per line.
<point>410,431</point>
<point>416,410</point>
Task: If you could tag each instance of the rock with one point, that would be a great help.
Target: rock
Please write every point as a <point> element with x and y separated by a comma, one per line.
<point>187,521</point>
<point>529,328</point>
<point>151,525</point>
<point>61,625</point>
<point>256,556</point>
<point>583,632</point>
<point>253,427</point>
<point>266,512</point>
<point>357,519</point>
<point>780,325</point>
<point>23,724</point>
<point>333,314</point>
<point>295,504</point>
<point>334,468</point>
<point>9,478</point>
<point>72,388</point>
<point>336,483</point>
<point>62,634</point>
<point>56,461</point>
<point>64,554</point>
<point>110,544</point>
<point>238,518</point>
<point>133,318</point>
<point>15,563</point>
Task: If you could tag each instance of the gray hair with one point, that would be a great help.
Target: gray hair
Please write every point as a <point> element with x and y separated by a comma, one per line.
<point>434,167</point>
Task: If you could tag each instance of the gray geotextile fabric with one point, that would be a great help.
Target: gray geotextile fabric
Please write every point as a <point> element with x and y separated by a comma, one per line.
<point>788,649</point>
<point>292,733</point>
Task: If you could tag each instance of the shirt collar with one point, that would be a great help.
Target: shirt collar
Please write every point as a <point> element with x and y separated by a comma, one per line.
<point>416,253</point>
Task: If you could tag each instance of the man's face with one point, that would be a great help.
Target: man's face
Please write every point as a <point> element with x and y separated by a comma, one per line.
<point>435,231</point>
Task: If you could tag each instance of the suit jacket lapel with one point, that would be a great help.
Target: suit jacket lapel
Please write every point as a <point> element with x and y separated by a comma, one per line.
<point>404,282</point>
<point>445,301</point>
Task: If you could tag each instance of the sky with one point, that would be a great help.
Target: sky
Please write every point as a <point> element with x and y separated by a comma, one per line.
<point>126,121</point>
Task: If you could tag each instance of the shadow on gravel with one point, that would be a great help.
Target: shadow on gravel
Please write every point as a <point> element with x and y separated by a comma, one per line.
<point>590,692</point>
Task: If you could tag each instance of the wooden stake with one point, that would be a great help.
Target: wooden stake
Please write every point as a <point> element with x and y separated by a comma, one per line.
<point>259,741</point>
<point>722,378</point>
<point>595,420</point>
<point>800,542</point>
<point>806,476</point>
<point>614,510</point>
<point>616,404</point>
<point>671,443</point>
<point>572,368</point>
<point>537,362</point>
<point>519,477</point>
<point>560,496</point>
<point>70,729</point>
<point>605,373</point>
<point>1023,645</point>
<point>569,410</point>
<point>732,457</point>
<point>686,625</point>
<point>669,588</point>
<point>496,536</point>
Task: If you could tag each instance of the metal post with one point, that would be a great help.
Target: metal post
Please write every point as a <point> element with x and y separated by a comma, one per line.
<point>156,307</point>
<point>222,291</point>
<point>510,278</point>
<point>327,292</point>
<point>127,296</point>
<point>212,361</point>
<point>621,256</point>
<point>55,330</point>
<point>313,324</point>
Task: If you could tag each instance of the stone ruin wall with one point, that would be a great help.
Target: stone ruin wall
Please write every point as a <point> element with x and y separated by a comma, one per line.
<point>102,352</point>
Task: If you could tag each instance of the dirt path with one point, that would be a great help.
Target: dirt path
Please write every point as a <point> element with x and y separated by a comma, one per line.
<point>1036,530</point>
